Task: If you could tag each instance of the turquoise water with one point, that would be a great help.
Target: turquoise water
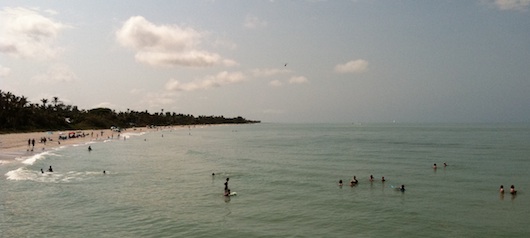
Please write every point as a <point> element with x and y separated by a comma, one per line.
<point>160,184</point>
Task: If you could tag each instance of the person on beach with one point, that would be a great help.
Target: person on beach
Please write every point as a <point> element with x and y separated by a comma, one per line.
<point>501,190</point>
<point>50,169</point>
<point>512,190</point>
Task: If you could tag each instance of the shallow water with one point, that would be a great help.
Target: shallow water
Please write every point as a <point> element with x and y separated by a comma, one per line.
<point>160,184</point>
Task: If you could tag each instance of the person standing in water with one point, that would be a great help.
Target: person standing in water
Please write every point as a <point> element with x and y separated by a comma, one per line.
<point>226,184</point>
<point>512,190</point>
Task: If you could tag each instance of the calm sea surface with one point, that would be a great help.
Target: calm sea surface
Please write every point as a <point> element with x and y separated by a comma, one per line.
<point>160,184</point>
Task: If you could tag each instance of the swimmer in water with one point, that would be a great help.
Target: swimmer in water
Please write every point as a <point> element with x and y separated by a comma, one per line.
<point>445,164</point>
<point>383,179</point>
<point>42,171</point>
<point>501,190</point>
<point>371,178</point>
<point>512,190</point>
<point>50,169</point>
<point>354,181</point>
<point>89,148</point>
<point>434,166</point>
<point>340,182</point>
<point>227,193</point>
<point>402,188</point>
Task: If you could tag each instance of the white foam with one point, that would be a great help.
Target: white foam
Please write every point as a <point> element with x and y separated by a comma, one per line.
<point>30,160</point>
<point>131,134</point>
<point>23,174</point>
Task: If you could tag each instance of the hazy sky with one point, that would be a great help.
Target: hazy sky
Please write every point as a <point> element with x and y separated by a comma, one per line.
<point>275,61</point>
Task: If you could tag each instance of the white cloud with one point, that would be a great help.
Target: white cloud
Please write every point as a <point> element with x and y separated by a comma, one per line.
<point>159,99</point>
<point>276,83</point>
<point>28,34</point>
<point>166,45</point>
<point>59,73</point>
<point>253,22</point>
<point>298,80</point>
<point>512,4</point>
<point>4,71</point>
<point>136,91</point>
<point>220,79</point>
<point>354,66</point>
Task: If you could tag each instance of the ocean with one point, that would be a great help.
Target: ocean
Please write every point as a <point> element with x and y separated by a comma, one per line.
<point>161,183</point>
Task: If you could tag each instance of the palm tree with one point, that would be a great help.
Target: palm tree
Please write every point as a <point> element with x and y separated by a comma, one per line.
<point>44,101</point>
<point>55,101</point>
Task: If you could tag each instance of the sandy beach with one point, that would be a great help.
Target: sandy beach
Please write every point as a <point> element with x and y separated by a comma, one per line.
<point>16,144</point>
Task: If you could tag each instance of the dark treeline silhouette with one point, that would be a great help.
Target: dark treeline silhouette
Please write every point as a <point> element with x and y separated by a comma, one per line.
<point>17,114</point>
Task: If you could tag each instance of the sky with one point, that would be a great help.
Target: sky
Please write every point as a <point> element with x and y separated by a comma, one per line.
<point>292,61</point>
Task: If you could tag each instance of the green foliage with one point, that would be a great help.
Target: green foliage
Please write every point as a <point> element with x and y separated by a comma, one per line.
<point>17,114</point>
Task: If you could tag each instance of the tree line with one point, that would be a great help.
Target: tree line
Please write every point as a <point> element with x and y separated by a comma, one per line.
<point>17,114</point>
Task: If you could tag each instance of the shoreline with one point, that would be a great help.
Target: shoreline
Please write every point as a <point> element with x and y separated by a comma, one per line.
<point>16,145</point>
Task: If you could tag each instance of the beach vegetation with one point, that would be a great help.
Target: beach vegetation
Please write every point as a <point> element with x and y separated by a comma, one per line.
<point>17,114</point>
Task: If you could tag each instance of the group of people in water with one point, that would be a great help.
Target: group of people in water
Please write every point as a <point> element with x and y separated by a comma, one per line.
<point>401,188</point>
<point>89,149</point>
<point>501,189</point>
<point>49,170</point>
<point>227,192</point>
<point>512,190</point>
<point>354,182</point>
<point>435,166</point>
